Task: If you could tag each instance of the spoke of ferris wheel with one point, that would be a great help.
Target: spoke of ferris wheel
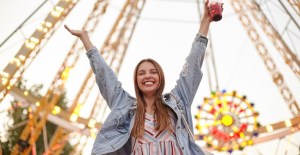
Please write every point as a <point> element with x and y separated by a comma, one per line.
<point>206,118</point>
<point>18,125</point>
<point>254,114</point>
<point>288,12</point>
<point>210,125</point>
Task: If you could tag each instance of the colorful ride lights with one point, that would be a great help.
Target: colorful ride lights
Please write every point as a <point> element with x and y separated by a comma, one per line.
<point>227,121</point>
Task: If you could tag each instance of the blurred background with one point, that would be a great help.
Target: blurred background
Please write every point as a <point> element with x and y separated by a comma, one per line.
<point>247,102</point>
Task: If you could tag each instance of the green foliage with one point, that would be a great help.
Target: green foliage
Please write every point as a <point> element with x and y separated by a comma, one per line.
<point>19,114</point>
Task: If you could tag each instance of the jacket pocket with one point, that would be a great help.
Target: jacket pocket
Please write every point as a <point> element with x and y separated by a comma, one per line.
<point>108,129</point>
<point>121,125</point>
<point>114,126</point>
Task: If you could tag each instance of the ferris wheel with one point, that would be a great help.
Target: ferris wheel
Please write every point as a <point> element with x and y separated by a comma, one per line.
<point>227,121</point>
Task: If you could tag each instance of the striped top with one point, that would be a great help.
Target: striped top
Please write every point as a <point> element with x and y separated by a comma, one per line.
<point>156,142</point>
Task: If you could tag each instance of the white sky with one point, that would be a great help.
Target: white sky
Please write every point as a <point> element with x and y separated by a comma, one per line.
<point>239,66</point>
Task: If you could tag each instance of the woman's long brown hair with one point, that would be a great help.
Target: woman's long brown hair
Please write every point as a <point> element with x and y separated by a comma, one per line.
<point>161,110</point>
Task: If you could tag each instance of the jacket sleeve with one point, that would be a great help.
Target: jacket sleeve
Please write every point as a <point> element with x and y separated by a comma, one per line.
<point>107,81</point>
<point>191,74</point>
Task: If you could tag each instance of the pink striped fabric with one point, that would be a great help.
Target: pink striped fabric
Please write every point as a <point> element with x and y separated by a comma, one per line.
<point>156,142</point>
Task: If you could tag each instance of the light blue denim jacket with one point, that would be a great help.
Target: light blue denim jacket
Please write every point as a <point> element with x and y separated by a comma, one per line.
<point>114,135</point>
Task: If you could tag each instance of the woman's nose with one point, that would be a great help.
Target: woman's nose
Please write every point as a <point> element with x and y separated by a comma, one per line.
<point>148,76</point>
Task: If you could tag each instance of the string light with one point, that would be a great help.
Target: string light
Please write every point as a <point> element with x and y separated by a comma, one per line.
<point>92,123</point>
<point>56,110</point>
<point>37,104</point>
<point>288,123</point>
<point>269,128</point>
<point>73,117</point>
<point>26,93</point>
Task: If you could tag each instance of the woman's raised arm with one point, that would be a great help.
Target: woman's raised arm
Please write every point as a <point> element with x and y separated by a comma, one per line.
<point>83,36</point>
<point>205,21</point>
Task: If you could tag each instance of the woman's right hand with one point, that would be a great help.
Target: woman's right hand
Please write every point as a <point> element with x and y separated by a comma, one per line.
<point>77,33</point>
<point>83,36</point>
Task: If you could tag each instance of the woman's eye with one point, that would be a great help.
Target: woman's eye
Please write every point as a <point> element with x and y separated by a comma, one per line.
<point>154,71</point>
<point>141,73</point>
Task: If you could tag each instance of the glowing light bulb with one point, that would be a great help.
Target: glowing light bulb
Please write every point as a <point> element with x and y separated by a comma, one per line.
<point>227,120</point>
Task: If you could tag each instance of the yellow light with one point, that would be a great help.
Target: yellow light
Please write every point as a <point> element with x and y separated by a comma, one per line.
<point>227,120</point>
<point>29,44</point>
<point>16,61</point>
<point>65,73</point>
<point>92,132</point>
<point>242,135</point>
<point>235,129</point>
<point>244,144</point>
<point>77,109</point>
<point>93,135</point>
<point>37,104</point>
<point>48,24</point>
<point>73,117</point>
<point>35,40</point>
<point>215,123</point>
<point>22,57</point>
<point>26,93</point>
<point>4,74</point>
<point>56,110</point>
<point>45,30</point>
<point>210,138</point>
<point>92,123</point>
<point>250,142</point>
<point>55,14</point>
<point>198,126</point>
<point>4,81</point>
<point>224,148</point>
<point>59,9</point>
<point>288,123</point>
<point>8,87</point>
<point>198,116</point>
<point>269,128</point>
<point>236,147</point>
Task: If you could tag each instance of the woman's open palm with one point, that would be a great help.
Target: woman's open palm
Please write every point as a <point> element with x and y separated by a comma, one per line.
<point>77,33</point>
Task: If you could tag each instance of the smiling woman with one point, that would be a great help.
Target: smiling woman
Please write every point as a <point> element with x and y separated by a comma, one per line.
<point>149,76</point>
<point>149,123</point>
<point>149,82</point>
<point>164,32</point>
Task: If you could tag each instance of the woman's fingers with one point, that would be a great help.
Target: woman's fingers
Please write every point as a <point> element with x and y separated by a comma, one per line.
<point>68,28</point>
<point>73,32</point>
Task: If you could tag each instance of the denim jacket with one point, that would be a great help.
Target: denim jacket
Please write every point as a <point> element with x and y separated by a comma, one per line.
<point>114,135</point>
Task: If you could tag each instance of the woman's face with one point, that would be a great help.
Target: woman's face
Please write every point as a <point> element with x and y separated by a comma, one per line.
<point>147,78</point>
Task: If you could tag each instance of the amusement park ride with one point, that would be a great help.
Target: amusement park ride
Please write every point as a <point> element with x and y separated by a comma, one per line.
<point>225,121</point>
